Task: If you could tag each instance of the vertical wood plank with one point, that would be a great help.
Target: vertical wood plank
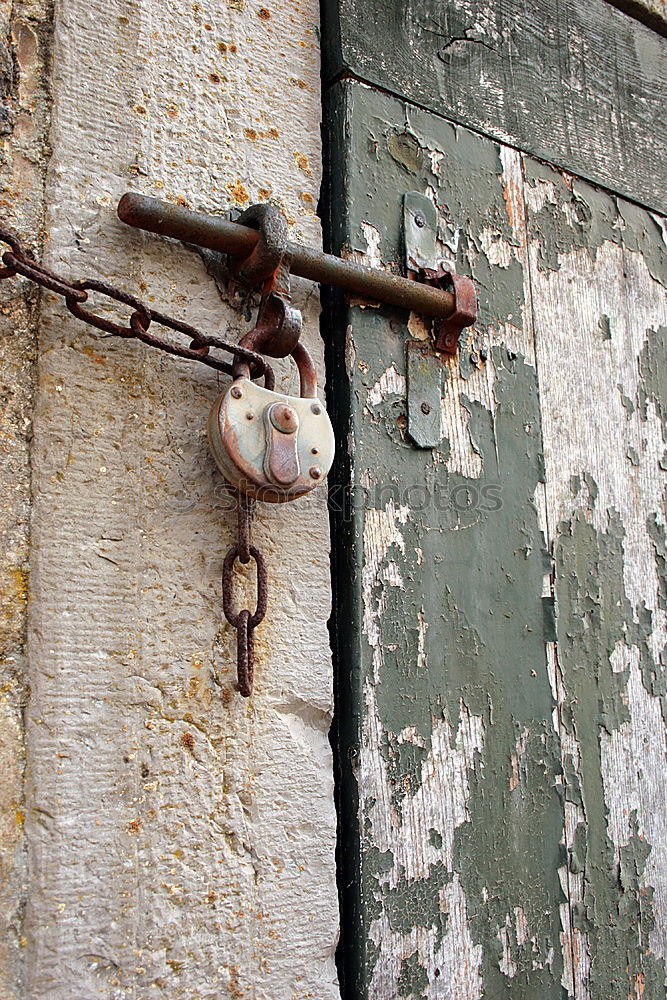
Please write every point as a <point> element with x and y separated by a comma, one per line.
<point>598,282</point>
<point>450,760</point>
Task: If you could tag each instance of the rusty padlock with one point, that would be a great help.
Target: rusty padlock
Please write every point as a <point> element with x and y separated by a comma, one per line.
<point>268,445</point>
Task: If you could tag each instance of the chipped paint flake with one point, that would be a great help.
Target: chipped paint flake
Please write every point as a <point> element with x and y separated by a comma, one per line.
<point>438,805</point>
<point>391,382</point>
<point>373,239</point>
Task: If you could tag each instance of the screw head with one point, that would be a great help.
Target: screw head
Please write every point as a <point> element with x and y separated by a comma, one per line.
<point>314,451</point>
<point>426,409</point>
<point>236,392</point>
<point>316,409</point>
<point>315,472</point>
<point>250,415</point>
<point>420,221</point>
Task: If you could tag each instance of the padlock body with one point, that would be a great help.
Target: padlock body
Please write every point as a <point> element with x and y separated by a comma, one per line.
<point>241,434</point>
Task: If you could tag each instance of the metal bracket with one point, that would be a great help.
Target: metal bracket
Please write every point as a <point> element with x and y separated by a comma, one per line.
<point>423,366</point>
<point>424,375</point>
<point>420,230</point>
<point>278,327</point>
<point>465,312</point>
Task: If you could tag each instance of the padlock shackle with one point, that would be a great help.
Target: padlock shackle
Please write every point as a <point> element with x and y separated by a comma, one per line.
<point>307,371</point>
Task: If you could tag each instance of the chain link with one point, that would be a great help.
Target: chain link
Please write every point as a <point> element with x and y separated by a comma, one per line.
<point>75,293</point>
<point>244,621</point>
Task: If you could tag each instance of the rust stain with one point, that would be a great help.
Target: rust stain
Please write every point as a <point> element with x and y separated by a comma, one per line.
<point>511,195</point>
<point>302,163</point>
<point>226,696</point>
<point>238,192</point>
<point>234,988</point>
<point>188,741</point>
<point>640,985</point>
<point>14,592</point>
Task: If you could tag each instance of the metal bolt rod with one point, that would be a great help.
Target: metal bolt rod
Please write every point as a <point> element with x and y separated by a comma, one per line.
<point>211,231</point>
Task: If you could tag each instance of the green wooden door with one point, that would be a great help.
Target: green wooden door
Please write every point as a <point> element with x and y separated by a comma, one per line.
<point>500,599</point>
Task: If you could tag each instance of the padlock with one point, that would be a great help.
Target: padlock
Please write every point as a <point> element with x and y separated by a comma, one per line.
<point>268,445</point>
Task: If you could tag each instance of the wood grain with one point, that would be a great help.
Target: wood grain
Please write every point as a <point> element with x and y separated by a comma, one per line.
<point>445,694</point>
<point>501,722</point>
<point>581,85</point>
<point>603,460</point>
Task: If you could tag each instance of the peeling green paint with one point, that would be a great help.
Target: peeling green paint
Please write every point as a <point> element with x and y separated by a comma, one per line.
<point>653,375</point>
<point>474,576</point>
<point>594,616</point>
<point>456,624</point>
<point>417,904</point>
<point>626,402</point>
<point>435,838</point>
<point>432,153</point>
<point>576,215</point>
<point>658,536</point>
<point>413,979</point>
<point>485,649</point>
<point>604,324</point>
<point>576,84</point>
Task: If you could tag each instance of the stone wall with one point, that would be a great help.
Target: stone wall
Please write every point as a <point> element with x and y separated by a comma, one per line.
<point>180,839</point>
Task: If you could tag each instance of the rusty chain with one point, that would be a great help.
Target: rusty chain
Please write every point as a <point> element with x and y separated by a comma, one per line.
<point>244,622</point>
<point>75,293</point>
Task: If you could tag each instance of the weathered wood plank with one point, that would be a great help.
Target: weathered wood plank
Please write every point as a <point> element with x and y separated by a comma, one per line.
<point>451,811</point>
<point>181,838</point>
<point>580,84</point>
<point>598,280</point>
<point>503,806</point>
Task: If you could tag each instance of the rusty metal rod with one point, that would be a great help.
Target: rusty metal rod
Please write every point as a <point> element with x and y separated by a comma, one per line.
<point>211,231</point>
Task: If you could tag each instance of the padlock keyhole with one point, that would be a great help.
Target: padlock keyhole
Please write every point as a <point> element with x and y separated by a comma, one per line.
<point>281,463</point>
